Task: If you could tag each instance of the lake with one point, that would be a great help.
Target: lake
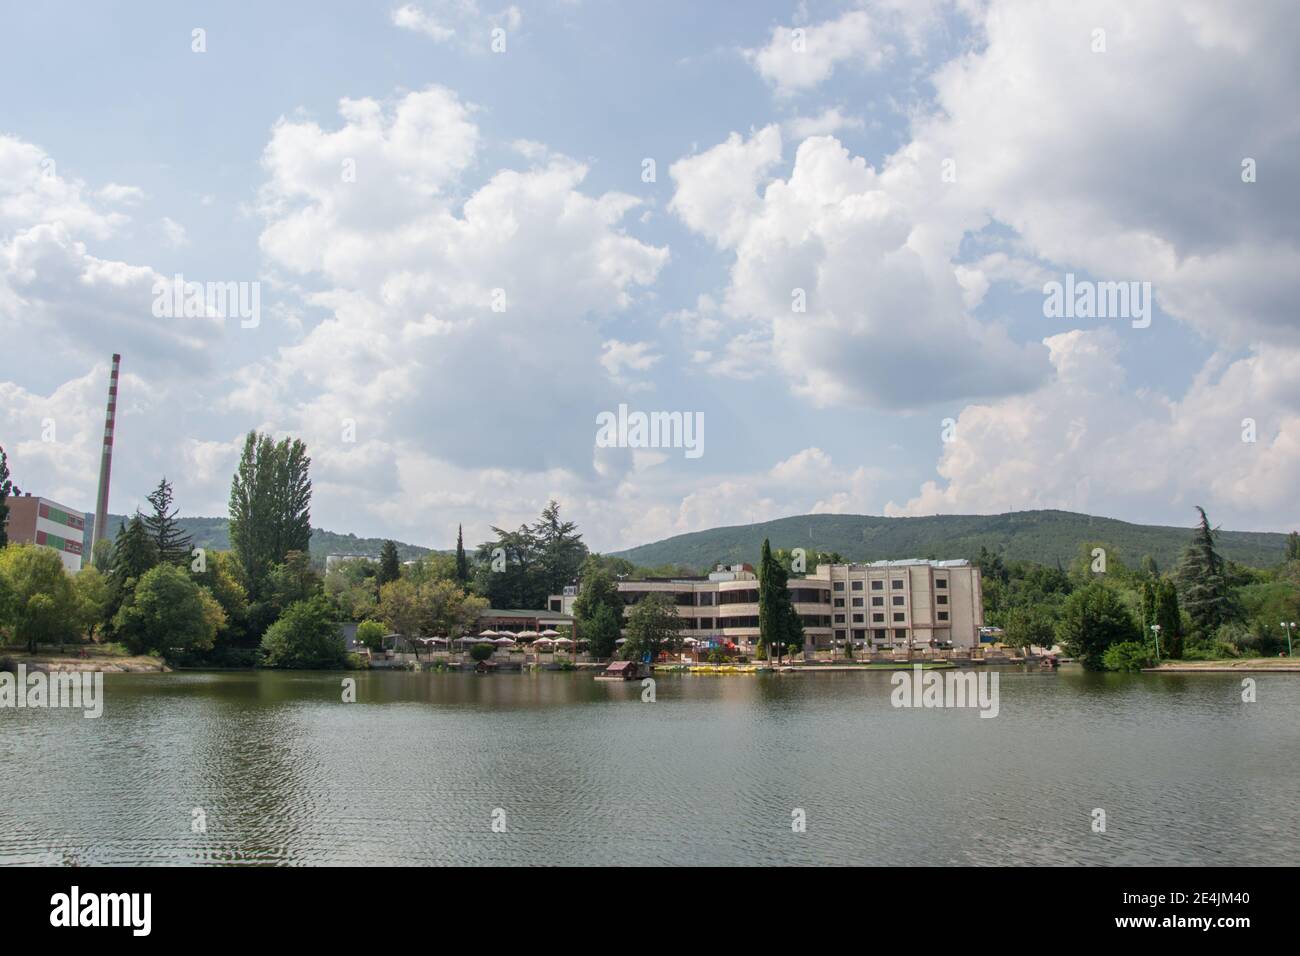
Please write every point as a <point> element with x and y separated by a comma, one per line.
<point>419,768</point>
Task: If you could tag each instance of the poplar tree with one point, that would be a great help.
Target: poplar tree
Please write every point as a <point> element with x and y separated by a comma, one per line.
<point>270,506</point>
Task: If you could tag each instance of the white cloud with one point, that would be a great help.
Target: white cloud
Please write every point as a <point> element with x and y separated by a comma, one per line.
<point>797,59</point>
<point>443,20</point>
<point>173,232</point>
<point>828,121</point>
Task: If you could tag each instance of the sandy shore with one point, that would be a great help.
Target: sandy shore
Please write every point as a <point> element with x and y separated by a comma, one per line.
<point>70,663</point>
<point>1244,665</point>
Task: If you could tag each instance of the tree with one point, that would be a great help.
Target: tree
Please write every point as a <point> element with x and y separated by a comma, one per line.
<point>598,589</point>
<point>1026,627</point>
<point>170,543</point>
<point>133,556</point>
<point>602,632</point>
<point>101,555</point>
<point>1167,615</point>
<point>41,604</point>
<point>462,563</point>
<point>1293,546</point>
<point>1127,656</point>
<point>400,608</point>
<point>220,577</point>
<point>779,626</point>
<point>390,568</point>
<point>561,551</point>
<point>1202,578</point>
<point>7,490</point>
<point>652,627</point>
<point>270,506</point>
<point>93,593</point>
<point>352,586</point>
<point>305,636</point>
<point>481,652</point>
<point>371,634</point>
<point>1092,619</point>
<point>167,611</point>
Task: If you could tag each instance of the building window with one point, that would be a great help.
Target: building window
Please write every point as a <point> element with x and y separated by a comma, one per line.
<point>839,635</point>
<point>899,600</point>
<point>877,602</point>
<point>555,605</point>
<point>857,619</point>
<point>899,618</point>
<point>942,598</point>
<point>706,599</point>
<point>943,615</point>
<point>839,602</point>
<point>900,633</point>
<point>897,585</point>
<point>857,585</point>
<point>706,623</point>
<point>839,585</point>
<point>839,618</point>
<point>877,585</point>
<point>877,619</point>
<point>857,602</point>
<point>941,582</point>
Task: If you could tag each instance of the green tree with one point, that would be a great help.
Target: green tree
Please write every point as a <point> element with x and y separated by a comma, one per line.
<point>1092,619</point>
<point>560,551</point>
<point>305,636</point>
<point>102,556</point>
<point>462,563</point>
<point>652,628</point>
<point>1127,656</point>
<point>170,543</point>
<point>7,490</point>
<point>133,556</point>
<point>481,652</point>
<point>1026,627</point>
<point>1293,546</point>
<point>390,567</point>
<point>220,577</point>
<point>597,590</point>
<point>1167,614</point>
<point>39,595</point>
<point>1202,578</point>
<point>93,594</point>
<point>353,587</point>
<point>779,627</point>
<point>270,507</point>
<point>601,630</point>
<point>167,611</point>
<point>371,634</point>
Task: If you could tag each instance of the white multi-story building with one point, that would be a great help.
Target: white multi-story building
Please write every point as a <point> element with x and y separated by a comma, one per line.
<point>883,605</point>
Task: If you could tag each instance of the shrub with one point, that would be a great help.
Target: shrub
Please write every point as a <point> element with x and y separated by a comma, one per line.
<point>166,611</point>
<point>371,634</point>
<point>481,652</point>
<point>1127,656</point>
<point>306,636</point>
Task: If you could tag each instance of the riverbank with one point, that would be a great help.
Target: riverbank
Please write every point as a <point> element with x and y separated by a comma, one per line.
<point>72,663</point>
<point>1251,665</point>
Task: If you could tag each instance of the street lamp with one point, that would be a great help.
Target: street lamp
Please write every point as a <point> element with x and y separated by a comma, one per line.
<point>1155,629</point>
<point>1288,626</point>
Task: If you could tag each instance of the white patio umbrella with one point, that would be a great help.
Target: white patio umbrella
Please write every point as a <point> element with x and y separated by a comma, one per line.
<point>544,640</point>
<point>549,633</point>
<point>503,640</point>
<point>621,640</point>
<point>488,633</point>
<point>527,635</point>
<point>563,640</point>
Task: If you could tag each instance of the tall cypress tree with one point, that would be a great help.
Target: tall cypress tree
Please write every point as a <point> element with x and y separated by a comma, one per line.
<point>778,623</point>
<point>6,489</point>
<point>1169,619</point>
<point>462,563</point>
<point>171,544</point>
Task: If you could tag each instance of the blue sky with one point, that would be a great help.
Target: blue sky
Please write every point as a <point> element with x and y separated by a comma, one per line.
<point>784,160</point>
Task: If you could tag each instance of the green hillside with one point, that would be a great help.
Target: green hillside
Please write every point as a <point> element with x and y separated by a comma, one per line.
<point>1042,536</point>
<point>214,534</point>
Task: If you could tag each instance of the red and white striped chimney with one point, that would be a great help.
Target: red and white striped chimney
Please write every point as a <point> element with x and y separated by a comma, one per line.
<point>106,463</point>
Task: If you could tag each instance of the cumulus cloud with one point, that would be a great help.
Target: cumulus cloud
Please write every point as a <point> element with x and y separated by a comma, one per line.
<point>796,59</point>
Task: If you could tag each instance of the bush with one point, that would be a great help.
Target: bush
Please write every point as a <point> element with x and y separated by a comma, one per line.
<point>1127,656</point>
<point>371,634</point>
<point>167,611</point>
<point>481,652</point>
<point>357,663</point>
<point>306,636</point>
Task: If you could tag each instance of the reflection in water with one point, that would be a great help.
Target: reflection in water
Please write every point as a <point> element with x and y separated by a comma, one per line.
<point>584,772</point>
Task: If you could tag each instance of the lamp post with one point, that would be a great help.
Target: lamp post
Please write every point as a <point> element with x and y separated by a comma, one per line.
<point>1155,629</point>
<point>1287,626</point>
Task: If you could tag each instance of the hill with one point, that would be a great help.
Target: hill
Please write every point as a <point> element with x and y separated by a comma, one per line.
<point>214,534</point>
<point>1042,536</point>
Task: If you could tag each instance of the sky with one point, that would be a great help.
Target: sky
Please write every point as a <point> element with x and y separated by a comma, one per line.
<point>826,231</point>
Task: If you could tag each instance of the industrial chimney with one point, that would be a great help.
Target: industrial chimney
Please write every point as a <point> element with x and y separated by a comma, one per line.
<point>106,463</point>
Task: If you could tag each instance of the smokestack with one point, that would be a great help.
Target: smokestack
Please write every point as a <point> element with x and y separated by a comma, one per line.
<point>106,463</point>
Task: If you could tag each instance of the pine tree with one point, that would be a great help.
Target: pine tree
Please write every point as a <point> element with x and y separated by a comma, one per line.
<point>134,554</point>
<point>1202,577</point>
<point>390,567</point>
<point>170,543</point>
<point>462,563</point>
<point>6,488</point>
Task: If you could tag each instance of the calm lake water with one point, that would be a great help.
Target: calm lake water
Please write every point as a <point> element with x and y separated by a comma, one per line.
<point>707,774</point>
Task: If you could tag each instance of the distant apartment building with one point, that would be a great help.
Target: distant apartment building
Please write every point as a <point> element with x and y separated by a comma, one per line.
<point>884,605</point>
<point>34,520</point>
<point>334,560</point>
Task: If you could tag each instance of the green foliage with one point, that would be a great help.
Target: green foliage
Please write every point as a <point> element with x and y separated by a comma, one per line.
<point>170,544</point>
<point>167,610</point>
<point>481,652</point>
<point>1027,626</point>
<point>1092,619</point>
<point>133,556</point>
<point>462,562</point>
<point>522,568</point>
<point>371,634</point>
<point>1203,580</point>
<point>7,490</point>
<point>305,637</point>
<point>102,555</point>
<point>1127,656</point>
<point>601,629</point>
<point>652,627</point>
<point>598,608</point>
<point>779,627</point>
<point>221,578</point>
<point>39,601</point>
<point>270,507</point>
<point>390,567</point>
<point>93,594</point>
<point>353,588</point>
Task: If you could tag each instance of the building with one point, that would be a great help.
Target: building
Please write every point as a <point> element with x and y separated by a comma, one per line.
<point>334,560</point>
<point>881,606</point>
<point>42,521</point>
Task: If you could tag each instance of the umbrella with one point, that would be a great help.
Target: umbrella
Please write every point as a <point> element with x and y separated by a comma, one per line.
<point>504,640</point>
<point>549,633</point>
<point>563,640</point>
<point>543,640</point>
<point>506,634</point>
<point>621,640</point>
<point>690,640</point>
<point>488,633</point>
<point>527,635</point>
